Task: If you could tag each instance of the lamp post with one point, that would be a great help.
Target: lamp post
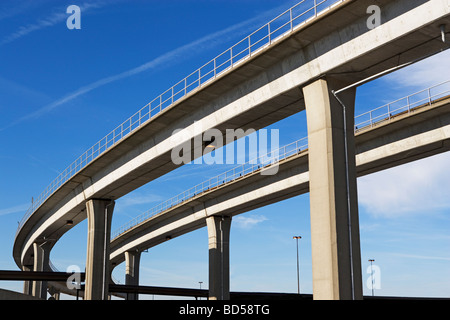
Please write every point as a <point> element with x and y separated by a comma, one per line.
<point>200,282</point>
<point>298,273</point>
<point>371,272</point>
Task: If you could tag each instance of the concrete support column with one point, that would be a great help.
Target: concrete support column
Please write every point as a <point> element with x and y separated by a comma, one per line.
<point>219,257</point>
<point>99,215</point>
<point>41,263</point>
<point>132,260</point>
<point>336,261</point>
<point>27,285</point>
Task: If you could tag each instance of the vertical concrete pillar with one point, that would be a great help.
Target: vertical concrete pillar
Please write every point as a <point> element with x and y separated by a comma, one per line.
<point>336,260</point>
<point>41,263</point>
<point>219,257</point>
<point>99,215</point>
<point>110,277</point>
<point>132,259</point>
<point>27,285</point>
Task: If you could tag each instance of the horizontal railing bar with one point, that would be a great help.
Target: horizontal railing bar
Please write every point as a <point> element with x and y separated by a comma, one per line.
<point>393,110</point>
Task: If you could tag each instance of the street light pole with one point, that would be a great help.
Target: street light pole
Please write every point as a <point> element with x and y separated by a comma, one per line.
<point>200,282</point>
<point>371,272</point>
<point>298,272</point>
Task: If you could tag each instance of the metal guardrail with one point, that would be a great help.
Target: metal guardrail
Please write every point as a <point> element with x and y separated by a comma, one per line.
<point>220,180</point>
<point>375,116</point>
<point>272,32</point>
<point>405,104</point>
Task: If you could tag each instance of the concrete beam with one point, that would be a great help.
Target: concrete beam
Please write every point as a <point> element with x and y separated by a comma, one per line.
<point>99,214</point>
<point>333,193</point>
<point>219,257</point>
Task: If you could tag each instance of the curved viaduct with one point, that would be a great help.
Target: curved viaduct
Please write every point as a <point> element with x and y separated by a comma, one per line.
<point>295,66</point>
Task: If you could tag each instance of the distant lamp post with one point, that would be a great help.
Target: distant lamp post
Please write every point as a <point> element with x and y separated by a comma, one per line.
<point>371,272</point>
<point>298,272</point>
<point>200,282</point>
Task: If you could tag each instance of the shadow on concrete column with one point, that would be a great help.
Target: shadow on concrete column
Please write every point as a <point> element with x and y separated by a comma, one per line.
<point>219,257</point>
<point>99,215</point>
<point>333,202</point>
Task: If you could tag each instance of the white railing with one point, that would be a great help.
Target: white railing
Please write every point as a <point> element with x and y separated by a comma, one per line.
<point>272,32</point>
<point>404,105</point>
<point>239,172</point>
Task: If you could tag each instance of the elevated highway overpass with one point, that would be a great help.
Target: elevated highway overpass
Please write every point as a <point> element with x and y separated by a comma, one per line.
<point>275,72</point>
<point>390,140</point>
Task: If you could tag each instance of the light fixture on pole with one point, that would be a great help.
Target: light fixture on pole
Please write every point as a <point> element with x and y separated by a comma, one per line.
<point>200,282</point>
<point>371,273</point>
<point>298,273</point>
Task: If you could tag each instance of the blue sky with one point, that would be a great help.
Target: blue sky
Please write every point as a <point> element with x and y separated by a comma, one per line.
<point>63,90</point>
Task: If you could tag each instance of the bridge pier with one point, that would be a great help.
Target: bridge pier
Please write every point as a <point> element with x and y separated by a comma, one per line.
<point>27,284</point>
<point>41,263</point>
<point>336,261</point>
<point>132,261</point>
<point>99,215</point>
<point>219,257</point>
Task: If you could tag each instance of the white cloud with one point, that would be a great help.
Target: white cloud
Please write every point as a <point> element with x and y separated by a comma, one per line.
<point>19,208</point>
<point>247,222</point>
<point>415,188</point>
<point>134,199</point>
<point>140,199</point>
<point>423,74</point>
<point>177,54</point>
<point>421,186</point>
<point>15,8</point>
<point>20,91</point>
<point>58,16</point>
